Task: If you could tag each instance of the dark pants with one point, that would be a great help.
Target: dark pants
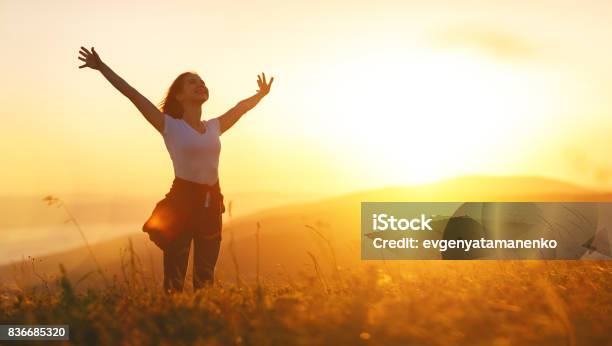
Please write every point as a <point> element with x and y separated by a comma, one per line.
<point>204,229</point>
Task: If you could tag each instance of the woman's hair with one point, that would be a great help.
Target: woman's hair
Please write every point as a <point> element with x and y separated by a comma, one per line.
<point>170,105</point>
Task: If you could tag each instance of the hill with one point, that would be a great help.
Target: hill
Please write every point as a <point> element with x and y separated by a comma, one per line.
<point>293,236</point>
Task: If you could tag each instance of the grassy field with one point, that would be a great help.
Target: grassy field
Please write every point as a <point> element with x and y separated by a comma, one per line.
<point>417,302</point>
<point>293,276</point>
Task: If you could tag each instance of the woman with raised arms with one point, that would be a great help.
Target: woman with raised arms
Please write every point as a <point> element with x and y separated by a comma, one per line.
<point>192,209</point>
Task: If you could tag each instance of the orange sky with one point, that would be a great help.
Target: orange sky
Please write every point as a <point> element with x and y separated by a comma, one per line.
<point>365,95</point>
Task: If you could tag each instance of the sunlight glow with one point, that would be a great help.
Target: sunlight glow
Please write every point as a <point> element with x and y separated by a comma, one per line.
<point>422,117</point>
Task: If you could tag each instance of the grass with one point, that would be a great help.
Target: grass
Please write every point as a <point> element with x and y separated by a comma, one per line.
<point>425,303</point>
<point>374,303</point>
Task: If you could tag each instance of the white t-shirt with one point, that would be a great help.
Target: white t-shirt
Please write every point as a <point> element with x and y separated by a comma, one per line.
<point>195,156</point>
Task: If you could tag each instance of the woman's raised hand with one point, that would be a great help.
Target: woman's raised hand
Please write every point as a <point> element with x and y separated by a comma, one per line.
<point>91,59</point>
<point>264,87</point>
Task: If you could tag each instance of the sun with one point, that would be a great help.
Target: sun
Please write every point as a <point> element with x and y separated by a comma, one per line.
<point>416,117</point>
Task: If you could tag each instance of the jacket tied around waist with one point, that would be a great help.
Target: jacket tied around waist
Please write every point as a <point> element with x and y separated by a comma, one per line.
<point>182,207</point>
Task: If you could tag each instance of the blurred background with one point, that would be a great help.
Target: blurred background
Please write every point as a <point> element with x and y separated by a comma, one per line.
<point>366,95</point>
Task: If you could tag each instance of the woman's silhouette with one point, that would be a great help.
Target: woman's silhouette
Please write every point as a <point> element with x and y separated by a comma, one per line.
<point>192,208</point>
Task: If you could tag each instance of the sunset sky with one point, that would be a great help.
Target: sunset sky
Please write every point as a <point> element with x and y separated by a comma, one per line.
<point>366,94</point>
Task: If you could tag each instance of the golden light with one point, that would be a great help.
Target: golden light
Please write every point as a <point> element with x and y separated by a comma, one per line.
<point>418,116</point>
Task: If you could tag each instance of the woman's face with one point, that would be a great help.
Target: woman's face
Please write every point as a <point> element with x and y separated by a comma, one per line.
<point>194,89</point>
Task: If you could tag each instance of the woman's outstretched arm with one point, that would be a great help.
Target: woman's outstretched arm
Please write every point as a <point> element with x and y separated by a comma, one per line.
<point>229,118</point>
<point>153,115</point>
